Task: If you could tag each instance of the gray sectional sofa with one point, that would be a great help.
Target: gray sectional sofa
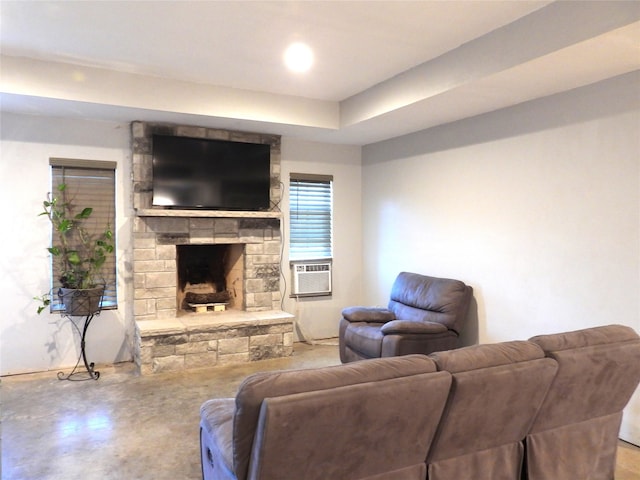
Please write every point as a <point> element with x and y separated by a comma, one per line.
<point>548,408</point>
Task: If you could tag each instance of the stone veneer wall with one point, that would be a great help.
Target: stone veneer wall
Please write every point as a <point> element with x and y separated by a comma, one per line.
<point>142,149</point>
<point>168,342</point>
<point>155,269</point>
<point>157,231</point>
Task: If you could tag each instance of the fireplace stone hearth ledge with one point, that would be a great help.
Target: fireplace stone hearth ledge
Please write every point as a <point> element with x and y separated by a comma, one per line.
<point>212,339</point>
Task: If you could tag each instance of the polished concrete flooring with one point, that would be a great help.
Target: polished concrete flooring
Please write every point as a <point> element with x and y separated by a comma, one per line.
<point>128,427</point>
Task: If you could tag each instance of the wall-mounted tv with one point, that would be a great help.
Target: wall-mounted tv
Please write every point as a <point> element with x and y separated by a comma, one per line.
<point>190,173</point>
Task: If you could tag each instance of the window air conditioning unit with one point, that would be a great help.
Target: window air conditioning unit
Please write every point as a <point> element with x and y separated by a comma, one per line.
<point>311,279</point>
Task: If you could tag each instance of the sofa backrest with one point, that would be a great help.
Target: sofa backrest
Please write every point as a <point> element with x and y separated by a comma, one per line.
<point>269,385</point>
<point>495,394</point>
<point>353,432</point>
<point>599,369</point>
<point>422,298</point>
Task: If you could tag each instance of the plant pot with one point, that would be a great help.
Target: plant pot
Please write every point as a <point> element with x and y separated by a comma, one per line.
<point>81,302</point>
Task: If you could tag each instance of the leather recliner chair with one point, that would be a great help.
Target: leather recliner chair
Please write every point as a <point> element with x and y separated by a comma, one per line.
<point>424,315</point>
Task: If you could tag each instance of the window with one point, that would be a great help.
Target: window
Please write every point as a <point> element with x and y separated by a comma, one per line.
<point>310,212</point>
<point>88,184</point>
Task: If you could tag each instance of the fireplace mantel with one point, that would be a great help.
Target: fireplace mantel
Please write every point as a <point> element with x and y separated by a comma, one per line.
<point>156,212</point>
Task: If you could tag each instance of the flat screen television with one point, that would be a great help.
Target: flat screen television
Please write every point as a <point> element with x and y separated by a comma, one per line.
<point>197,173</point>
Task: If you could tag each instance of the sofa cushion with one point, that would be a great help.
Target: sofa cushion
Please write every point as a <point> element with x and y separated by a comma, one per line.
<point>415,314</point>
<point>484,356</point>
<point>492,407</point>
<point>590,362</point>
<point>259,386</point>
<point>368,314</point>
<point>423,298</point>
<point>365,338</point>
<point>587,337</point>
<point>496,392</point>
<point>405,327</point>
<point>353,431</point>
<point>575,433</point>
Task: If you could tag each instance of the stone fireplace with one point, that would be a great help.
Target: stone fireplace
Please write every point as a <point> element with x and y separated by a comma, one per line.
<point>158,241</point>
<point>182,255</point>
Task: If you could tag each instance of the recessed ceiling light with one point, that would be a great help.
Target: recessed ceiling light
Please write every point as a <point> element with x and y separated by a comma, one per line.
<point>298,57</point>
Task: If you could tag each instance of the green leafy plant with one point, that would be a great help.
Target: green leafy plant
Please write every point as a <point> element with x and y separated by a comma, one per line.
<point>78,253</point>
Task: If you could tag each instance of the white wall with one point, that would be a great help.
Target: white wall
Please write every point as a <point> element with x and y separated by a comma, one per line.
<point>317,317</point>
<point>31,342</point>
<point>536,206</point>
<point>28,341</point>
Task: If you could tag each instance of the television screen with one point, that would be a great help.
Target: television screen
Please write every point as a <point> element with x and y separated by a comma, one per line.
<point>210,174</point>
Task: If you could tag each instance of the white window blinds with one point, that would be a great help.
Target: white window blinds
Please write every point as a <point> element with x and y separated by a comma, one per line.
<point>88,184</point>
<point>310,216</point>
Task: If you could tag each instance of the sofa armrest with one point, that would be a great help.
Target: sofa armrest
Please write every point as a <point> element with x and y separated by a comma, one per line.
<point>368,314</point>
<point>412,327</point>
<point>216,436</point>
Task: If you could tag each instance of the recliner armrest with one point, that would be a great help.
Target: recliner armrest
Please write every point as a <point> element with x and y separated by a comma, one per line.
<point>368,314</point>
<point>408,326</point>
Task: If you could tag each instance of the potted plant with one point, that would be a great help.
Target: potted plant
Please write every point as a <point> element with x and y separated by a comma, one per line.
<point>79,255</point>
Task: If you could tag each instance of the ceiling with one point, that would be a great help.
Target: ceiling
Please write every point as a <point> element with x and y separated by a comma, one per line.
<point>381,69</point>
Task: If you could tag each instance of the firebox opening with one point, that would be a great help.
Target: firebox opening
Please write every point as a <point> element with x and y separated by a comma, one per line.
<point>210,275</point>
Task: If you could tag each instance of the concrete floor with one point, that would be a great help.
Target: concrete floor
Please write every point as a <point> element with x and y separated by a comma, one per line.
<point>128,427</point>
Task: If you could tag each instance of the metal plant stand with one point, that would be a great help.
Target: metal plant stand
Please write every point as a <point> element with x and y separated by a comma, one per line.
<point>90,373</point>
<point>76,302</point>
